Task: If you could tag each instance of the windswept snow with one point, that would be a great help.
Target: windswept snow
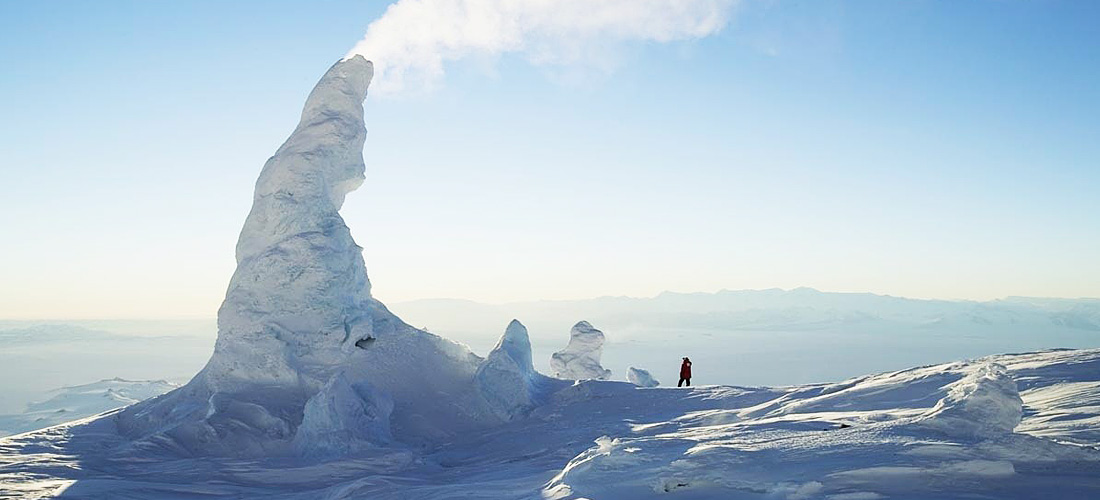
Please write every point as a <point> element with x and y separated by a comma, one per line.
<point>984,402</point>
<point>1061,395</point>
<point>581,358</point>
<point>878,436</point>
<point>944,431</point>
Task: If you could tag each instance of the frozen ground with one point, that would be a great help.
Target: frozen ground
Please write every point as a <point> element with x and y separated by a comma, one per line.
<point>1010,426</point>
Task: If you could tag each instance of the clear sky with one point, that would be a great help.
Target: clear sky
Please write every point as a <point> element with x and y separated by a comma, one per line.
<point>925,149</point>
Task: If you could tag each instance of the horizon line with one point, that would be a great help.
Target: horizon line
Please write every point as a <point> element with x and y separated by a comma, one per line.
<point>804,289</point>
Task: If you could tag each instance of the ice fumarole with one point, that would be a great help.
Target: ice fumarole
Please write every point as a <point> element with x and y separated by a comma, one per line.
<point>306,361</point>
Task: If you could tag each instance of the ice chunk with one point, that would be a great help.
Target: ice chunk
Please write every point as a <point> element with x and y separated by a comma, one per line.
<point>641,378</point>
<point>343,417</point>
<point>581,358</point>
<point>507,378</point>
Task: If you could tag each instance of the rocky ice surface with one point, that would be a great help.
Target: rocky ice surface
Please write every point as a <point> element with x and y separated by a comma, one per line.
<point>315,390</point>
<point>641,378</point>
<point>580,359</point>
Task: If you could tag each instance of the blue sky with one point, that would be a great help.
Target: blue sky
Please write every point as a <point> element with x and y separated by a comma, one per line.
<point>923,149</point>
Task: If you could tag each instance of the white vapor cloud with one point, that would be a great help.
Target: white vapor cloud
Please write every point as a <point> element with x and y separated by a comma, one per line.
<point>411,42</point>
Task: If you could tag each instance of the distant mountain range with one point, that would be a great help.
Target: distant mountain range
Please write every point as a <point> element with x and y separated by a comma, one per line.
<point>772,309</point>
<point>773,336</point>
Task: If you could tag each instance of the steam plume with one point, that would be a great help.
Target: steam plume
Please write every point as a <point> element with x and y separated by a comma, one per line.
<point>411,42</point>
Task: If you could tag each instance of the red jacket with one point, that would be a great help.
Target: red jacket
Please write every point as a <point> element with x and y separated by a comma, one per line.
<point>685,369</point>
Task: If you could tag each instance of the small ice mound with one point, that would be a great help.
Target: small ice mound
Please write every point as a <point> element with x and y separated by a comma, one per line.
<point>507,378</point>
<point>581,358</point>
<point>343,417</point>
<point>641,378</point>
<point>984,403</point>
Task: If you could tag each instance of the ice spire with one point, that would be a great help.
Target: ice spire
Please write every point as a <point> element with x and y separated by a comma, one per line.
<point>306,361</point>
<point>507,378</point>
<point>581,358</point>
<point>299,297</point>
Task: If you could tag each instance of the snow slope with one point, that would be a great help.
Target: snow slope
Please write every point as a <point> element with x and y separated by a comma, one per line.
<point>71,403</point>
<point>943,431</point>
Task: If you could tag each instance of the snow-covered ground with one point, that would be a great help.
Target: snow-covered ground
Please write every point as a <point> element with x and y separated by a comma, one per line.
<point>72,403</point>
<point>1008,426</point>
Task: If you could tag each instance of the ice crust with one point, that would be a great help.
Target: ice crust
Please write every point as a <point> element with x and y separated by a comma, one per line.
<point>306,361</point>
<point>580,359</point>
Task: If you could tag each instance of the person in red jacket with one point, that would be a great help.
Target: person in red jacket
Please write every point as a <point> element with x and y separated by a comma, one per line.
<point>685,372</point>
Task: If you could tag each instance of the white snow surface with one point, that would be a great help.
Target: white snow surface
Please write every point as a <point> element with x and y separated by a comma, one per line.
<point>70,403</point>
<point>641,378</point>
<point>580,359</point>
<point>877,436</point>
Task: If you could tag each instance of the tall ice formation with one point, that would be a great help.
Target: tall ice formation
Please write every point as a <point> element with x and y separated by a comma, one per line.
<point>507,378</point>
<point>581,357</point>
<point>306,361</point>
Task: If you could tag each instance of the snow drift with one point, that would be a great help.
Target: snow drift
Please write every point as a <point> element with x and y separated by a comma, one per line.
<point>306,360</point>
<point>929,432</point>
<point>985,402</point>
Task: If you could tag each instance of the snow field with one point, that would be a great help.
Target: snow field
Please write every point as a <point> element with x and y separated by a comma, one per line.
<point>879,436</point>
